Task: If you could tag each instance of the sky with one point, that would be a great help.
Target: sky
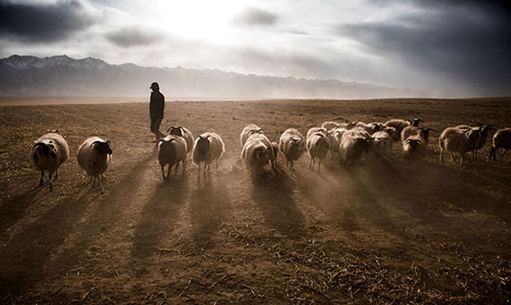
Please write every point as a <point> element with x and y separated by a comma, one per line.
<point>444,48</point>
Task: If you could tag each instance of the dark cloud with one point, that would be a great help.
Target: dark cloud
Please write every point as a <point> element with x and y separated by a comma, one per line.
<point>132,37</point>
<point>468,42</point>
<point>254,16</point>
<point>42,22</point>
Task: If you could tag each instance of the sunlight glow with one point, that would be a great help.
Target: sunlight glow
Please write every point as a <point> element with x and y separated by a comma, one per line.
<point>194,19</point>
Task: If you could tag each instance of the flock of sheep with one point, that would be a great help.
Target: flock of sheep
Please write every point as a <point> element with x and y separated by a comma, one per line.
<point>346,143</point>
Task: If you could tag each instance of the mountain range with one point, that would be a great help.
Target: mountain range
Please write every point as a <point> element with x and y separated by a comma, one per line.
<point>65,76</point>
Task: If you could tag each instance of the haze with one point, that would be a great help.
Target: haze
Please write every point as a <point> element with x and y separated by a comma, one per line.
<point>443,48</point>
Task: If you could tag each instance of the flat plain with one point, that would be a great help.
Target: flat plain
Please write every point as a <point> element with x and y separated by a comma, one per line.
<point>383,231</point>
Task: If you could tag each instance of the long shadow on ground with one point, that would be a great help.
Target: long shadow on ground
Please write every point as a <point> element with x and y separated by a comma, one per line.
<point>159,215</point>
<point>273,195</point>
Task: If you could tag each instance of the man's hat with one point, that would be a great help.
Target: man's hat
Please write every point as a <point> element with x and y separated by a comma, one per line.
<point>154,86</point>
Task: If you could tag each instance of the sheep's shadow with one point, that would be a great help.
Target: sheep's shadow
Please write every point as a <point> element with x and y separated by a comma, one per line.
<point>273,195</point>
<point>14,208</point>
<point>105,216</point>
<point>208,207</point>
<point>24,257</point>
<point>159,215</point>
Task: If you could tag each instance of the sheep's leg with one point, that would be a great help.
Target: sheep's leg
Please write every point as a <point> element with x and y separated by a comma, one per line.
<point>462,159</point>
<point>163,172</point>
<point>452,157</point>
<point>100,185</point>
<point>441,155</point>
<point>51,181</point>
<point>169,170</point>
<point>319,166</point>
<point>41,180</point>
<point>184,166</point>
<point>502,155</point>
<point>216,165</point>
<point>492,154</point>
<point>56,174</point>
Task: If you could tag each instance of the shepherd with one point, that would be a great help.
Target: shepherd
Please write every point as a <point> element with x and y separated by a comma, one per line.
<point>156,107</point>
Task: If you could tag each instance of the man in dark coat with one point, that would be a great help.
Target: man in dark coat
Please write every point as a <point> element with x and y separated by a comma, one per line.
<point>156,107</point>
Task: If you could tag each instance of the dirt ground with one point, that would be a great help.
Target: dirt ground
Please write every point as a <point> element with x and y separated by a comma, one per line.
<point>383,232</point>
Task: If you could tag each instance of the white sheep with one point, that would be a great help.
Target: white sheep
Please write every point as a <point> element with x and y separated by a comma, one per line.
<point>330,125</point>
<point>292,146</point>
<point>47,154</point>
<point>400,124</point>
<point>381,144</point>
<point>318,146</point>
<point>458,140</point>
<point>184,133</point>
<point>501,139</point>
<point>94,156</point>
<point>171,150</point>
<point>208,148</point>
<point>353,144</point>
<point>334,139</point>
<point>414,148</point>
<point>370,127</point>
<point>312,130</point>
<point>249,130</point>
<point>257,152</point>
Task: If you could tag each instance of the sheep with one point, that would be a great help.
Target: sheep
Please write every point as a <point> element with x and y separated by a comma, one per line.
<point>381,144</point>
<point>400,124</point>
<point>331,125</point>
<point>393,133</point>
<point>249,130</point>
<point>208,148</point>
<point>414,148</point>
<point>94,156</point>
<point>184,133</point>
<point>413,130</point>
<point>353,144</point>
<point>292,146</point>
<point>371,127</point>
<point>318,147</point>
<point>171,150</point>
<point>258,152</point>
<point>501,139</point>
<point>312,130</point>
<point>48,153</point>
<point>485,131</point>
<point>458,140</point>
<point>334,139</point>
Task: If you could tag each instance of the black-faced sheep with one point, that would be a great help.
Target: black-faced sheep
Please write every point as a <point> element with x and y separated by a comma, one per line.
<point>171,151</point>
<point>47,154</point>
<point>501,140</point>
<point>458,140</point>
<point>94,156</point>
<point>208,148</point>
<point>184,133</point>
